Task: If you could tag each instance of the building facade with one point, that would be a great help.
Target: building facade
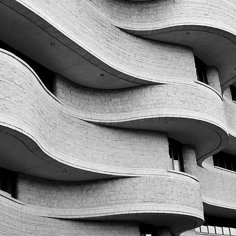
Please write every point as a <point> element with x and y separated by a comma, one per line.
<point>117,117</point>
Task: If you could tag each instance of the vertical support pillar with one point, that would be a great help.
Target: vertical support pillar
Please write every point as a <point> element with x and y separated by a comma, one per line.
<point>227,93</point>
<point>213,79</point>
<point>61,88</point>
<point>189,159</point>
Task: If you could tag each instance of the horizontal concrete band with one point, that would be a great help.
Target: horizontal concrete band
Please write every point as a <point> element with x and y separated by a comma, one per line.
<point>172,197</point>
<point>122,56</point>
<point>182,22</point>
<point>28,112</point>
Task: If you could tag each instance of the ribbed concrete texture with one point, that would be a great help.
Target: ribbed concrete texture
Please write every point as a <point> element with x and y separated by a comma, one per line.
<point>113,114</point>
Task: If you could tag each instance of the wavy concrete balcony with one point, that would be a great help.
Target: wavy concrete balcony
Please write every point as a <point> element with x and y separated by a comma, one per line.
<point>192,114</point>
<point>55,143</point>
<point>218,186</point>
<point>53,137</point>
<point>207,28</point>
<point>172,199</point>
<point>114,60</point>
<point>16,221</point>
<point>230,112</point>
<point>218,189</point>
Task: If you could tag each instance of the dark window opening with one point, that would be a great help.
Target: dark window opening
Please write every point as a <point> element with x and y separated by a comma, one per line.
<point>233,92</point>
<point>8,182</point>
<point>225,161</point>
<point>217,226</point>
<point>148,230</point>
<point>45,75</point>
<point>201,70</point>
<point>175,152</point>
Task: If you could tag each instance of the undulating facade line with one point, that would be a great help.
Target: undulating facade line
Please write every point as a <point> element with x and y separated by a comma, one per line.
<point>117,117</point>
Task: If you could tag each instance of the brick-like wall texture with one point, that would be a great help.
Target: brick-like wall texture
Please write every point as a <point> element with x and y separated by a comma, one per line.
<point>149,101</point>
<point>168,188</point>
<point>15,222</point>
<point>75,127</point>
<point>142,59</point>
<point>26,105</point>
<point>153,18</point>
<point>217,186</point>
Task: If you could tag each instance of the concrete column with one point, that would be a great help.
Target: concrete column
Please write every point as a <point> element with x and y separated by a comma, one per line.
<point>60,88</point>
<point>209,161</point>
<point>189,159</point>
<point>227,93</point>
<point>213,78</point>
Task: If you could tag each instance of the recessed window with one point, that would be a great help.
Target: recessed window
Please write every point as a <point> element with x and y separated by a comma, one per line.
<point>175,152</point>
<point>148,230</point>
<point>211,229</point>
<point>204,229</point>
<point>8,182</point>
<point>217,226</point>
<point>233,92</point>
<point>232,231</point>
<point>219,230</point>
<point>201,70</point>
<point>226,231</point>
<point>225,161</point>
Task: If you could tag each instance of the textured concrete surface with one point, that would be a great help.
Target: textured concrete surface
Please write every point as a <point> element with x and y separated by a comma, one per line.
<point>64,136</point>
<point>218,186</point>
<point>89,134</point>
<point>181,22</point>
<point>170,189</point>
<point>127,57</point>
<point>14,221</point>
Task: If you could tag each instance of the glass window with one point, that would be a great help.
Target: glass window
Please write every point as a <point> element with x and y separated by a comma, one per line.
<point>233,92</point>
<point>8,181</point>
<point>204,229</point>
<point>225,161</point>
<point>211,229</point>
<point>219,230</point>
<point>175,152</point>
<point>233,231</point>
<point>226,231</point>
<point>201,70</point>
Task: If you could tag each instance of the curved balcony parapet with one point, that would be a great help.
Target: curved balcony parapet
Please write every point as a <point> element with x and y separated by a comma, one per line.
<point>51,138</point>
<point>195,108</point>
<point>16,221</point>
<point>221,191</point>
<point>182,22</point>
<point>121,59</point>
<point>218,188</point>
<point>230,113</point>
<point>171,198</point>
<point>41,126</point>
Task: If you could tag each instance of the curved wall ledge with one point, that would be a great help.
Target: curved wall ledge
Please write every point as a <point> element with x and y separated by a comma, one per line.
<point>183,22</point>
<point>119,54</point>
<point>218,187</point>
<point>170,198</point>
<point>230,113</point>
<point>186,112</point>
<point>14,220</point>
<point>48,135</point>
